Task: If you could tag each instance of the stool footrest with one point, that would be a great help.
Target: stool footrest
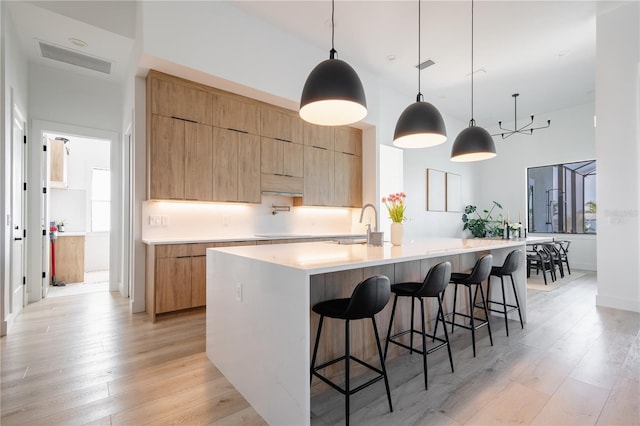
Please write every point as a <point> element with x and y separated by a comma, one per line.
<point>481,322</point>
<point>442,344</point>
<point>375,379</point>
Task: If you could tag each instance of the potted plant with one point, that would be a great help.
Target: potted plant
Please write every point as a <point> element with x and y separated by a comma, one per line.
<point>61,225</point>
<point>396,207</point>
<point>482,225</point>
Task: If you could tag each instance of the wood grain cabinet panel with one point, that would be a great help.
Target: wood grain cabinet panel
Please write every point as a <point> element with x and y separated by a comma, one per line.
<point>318,176</point>
<point>348,180</point>
<point>167,159</point>
<point>70,258</point>
<point>173,284</point>
<point>198,281</point>
<point>174,97</point>
<point>319,136</point>
<point>277,124</point>
<point>198,176</point>
<point>348,140</point>
<point>234,113</point>
<point>57,164</point>
<point>236,166</point>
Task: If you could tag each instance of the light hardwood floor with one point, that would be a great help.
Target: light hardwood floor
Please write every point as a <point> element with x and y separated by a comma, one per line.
<point>86,360</point>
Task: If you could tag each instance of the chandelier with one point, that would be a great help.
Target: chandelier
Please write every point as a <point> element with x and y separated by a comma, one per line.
<point>525,130</point>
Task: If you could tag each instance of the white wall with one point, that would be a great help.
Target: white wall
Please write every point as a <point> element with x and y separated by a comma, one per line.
<point>618,155</point>
<point>75,104</point>
<point>571,137</point>
<point>13,88</point>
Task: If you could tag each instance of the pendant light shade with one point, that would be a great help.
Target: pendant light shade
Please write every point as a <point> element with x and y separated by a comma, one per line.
<point>473,144</point>
<point>420,125</point>
<point>333,93</point>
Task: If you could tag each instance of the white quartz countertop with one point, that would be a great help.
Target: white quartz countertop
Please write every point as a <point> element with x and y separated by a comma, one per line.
<point>255,237</point>
<point>322,257</point>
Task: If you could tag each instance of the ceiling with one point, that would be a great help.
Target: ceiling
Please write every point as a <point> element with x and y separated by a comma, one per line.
<point>544,50</point>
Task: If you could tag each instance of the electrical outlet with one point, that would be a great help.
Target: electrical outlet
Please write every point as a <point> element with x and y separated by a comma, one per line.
<point>239,292</point>
<point>164,220</point>
<point>225,220</point>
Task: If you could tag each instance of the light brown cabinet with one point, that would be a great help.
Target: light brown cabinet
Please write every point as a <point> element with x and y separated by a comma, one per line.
<point>319,177</point>
<point>277,124</point>
<point>348,180</point>
<point>319,136</point>
<point>348,140</point>
<point>180,159</point>
<point>281,166</point>
<point>234,113</point>
<point>69,258</point>
<point>173,97</point>
<point>57,164</point>
<point>236,166</point>
<point>208,145</point>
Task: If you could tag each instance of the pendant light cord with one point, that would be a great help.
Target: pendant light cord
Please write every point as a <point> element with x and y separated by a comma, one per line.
<point>332,52</point>
<point>473,121</point>
<point>419,97</point>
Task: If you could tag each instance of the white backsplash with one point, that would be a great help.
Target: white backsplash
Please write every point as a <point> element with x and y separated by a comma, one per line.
<point>185,220</point>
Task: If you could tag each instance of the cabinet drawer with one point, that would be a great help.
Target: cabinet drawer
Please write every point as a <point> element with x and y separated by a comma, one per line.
<point>172,250</point>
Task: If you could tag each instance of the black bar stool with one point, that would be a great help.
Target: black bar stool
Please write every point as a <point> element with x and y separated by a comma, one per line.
<point>368,298</point>
<point>480,272</point>
<point>433,286</point>
<point>510,265</point>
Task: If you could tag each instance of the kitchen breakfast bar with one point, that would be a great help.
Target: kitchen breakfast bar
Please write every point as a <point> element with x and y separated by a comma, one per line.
<point>260,326</point>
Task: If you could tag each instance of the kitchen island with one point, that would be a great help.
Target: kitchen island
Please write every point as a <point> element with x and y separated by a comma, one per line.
<point>259,320</point>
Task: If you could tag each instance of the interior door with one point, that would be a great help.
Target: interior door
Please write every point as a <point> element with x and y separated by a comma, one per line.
<point>18,285</point>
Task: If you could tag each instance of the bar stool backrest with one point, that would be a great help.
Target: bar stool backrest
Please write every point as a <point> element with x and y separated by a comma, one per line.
<point>368,298</point>
<point>481,270</point>
<point>436,280</point>
<point>511,263</point>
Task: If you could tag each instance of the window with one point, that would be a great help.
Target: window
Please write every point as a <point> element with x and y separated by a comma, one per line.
<point>562,198</point>
<point>100,200</point>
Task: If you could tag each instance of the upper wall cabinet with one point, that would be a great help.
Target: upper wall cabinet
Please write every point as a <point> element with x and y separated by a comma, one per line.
<point>233,113</point>
<point>236,166</point>
<point>57,164</point>
<point>276,124</point>
<point>319,136</point>
<point>348,140</point>
<point>178,99</point>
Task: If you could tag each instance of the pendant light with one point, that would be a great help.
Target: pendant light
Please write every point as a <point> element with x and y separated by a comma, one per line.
<point>473,143</point>
<point>333,93</point>
<point>420,125</point>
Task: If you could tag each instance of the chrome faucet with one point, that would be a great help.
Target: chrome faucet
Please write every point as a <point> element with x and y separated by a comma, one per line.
<point>375,220</point>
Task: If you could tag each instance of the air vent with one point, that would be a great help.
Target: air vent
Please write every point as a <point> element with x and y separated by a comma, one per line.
<point>425,64</point>
<point>74,58</point>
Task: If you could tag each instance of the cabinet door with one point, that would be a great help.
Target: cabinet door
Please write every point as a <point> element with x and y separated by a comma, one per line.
<point>173,284</point>
<point>180,100</point>
<point>166,174</point>
<point>57,164</point>
<point>293,159</point>
<point>225,165</point>
<point>348,180</point>
<point>348,140</point>
<point>271,156</point>
<point>236,114</point>
<point>319,136</point>
<point>198,281</point>
<point>318,176</point>
<point>248,168</point>
<point>198,178</point>
<point>277,124</point>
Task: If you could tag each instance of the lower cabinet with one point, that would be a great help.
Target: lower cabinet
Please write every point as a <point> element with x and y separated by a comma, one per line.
<point>176,274</point>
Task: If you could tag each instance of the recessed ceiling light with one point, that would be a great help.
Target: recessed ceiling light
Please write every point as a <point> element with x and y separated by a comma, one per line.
<point>391,57</point>
<point>78,42</point>
<point>563,53</point>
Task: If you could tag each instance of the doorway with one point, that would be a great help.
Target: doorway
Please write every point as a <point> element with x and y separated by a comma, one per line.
<point>78,208</point>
